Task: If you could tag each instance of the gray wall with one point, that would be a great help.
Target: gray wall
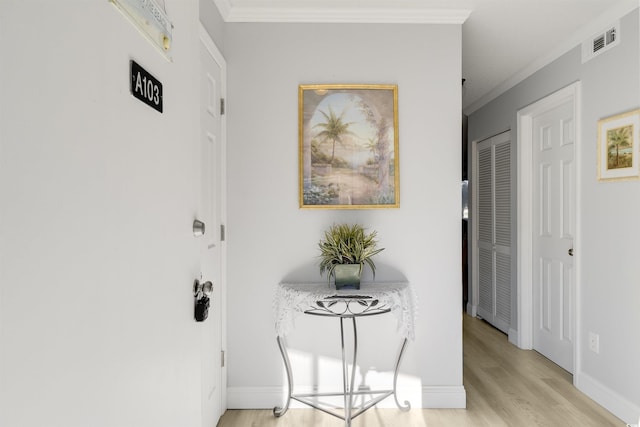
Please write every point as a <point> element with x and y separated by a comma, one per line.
<point>212,21</point>
<point>271,239</point>
<point>610,289</point>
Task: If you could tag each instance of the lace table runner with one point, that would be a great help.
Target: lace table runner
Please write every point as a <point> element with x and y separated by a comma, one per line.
<point>294,298</point>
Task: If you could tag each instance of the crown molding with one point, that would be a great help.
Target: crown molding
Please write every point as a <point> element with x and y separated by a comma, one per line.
<point>354,15</point>
<point>224,7</point>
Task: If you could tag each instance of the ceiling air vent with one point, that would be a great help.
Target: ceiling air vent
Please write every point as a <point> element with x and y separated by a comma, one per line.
<point>601,42</point>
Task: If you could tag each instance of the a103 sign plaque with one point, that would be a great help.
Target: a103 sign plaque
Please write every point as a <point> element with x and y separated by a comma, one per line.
<point>145,87</point>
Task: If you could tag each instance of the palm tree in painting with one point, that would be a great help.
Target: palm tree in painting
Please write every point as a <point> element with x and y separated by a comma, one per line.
<point>372,146</point>
<point>334,129</point>
<point>618,138</point>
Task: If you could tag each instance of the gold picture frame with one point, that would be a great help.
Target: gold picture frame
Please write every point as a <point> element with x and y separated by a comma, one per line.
<point>619,147</point>
<point>348,146</point>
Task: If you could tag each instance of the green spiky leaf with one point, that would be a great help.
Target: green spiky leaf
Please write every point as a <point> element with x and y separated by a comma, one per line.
<point>347,244</point>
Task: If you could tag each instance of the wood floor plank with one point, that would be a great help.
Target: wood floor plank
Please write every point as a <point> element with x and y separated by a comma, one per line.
<point>505,387</point>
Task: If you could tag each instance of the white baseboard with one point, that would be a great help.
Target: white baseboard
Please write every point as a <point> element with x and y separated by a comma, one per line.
<point>472,310</point>
<point>513,336</point>
<point>269,397</point>
<point>444,397</point>
<point>254,397</point>
<point>607,398</point>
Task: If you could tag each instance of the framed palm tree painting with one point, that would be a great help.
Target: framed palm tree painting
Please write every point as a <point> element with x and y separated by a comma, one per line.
<point>348,146</point>
<point>619,147</point>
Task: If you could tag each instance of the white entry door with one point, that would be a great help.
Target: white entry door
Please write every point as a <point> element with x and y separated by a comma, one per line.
<point>553,220</point>
<point>212,213</point>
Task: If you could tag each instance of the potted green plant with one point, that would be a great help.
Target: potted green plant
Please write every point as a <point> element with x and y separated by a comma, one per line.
<point>344,251</point>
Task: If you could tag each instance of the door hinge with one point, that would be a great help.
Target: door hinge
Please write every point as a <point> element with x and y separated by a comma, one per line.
<point>222,106</point>
<point>223,233</point>
<point>222,358</point>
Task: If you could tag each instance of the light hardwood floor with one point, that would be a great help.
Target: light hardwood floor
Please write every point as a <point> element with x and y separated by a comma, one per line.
<point>505,386</point>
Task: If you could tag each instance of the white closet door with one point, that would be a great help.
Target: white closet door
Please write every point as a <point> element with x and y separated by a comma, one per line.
<point>485,230</point>
<point>494,230</point>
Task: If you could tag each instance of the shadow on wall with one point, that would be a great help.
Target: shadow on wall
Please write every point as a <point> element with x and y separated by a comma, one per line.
<point>320,373</point>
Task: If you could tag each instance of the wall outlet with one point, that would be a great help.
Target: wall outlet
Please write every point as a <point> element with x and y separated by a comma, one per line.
<point>594,342</point>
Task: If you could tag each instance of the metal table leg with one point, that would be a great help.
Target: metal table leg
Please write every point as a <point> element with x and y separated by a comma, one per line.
<point>348,382</point>
<point>395,380</point>
<point>348,388</point>
<point>277,411</point>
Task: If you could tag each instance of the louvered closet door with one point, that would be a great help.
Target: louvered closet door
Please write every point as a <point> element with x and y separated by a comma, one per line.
<point>494,230</point>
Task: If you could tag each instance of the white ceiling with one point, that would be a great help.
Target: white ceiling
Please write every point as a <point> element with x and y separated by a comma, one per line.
<point>503,41</point>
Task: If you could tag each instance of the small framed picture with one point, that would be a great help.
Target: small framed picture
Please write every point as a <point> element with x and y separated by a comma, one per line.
<point>348,146</point>
<point>619,147</point>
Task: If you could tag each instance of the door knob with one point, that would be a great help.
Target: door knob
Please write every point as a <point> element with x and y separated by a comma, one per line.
<point>570,252</point>
<point>207,288</point>
<point>198,228</point>
<point>202,289</point>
